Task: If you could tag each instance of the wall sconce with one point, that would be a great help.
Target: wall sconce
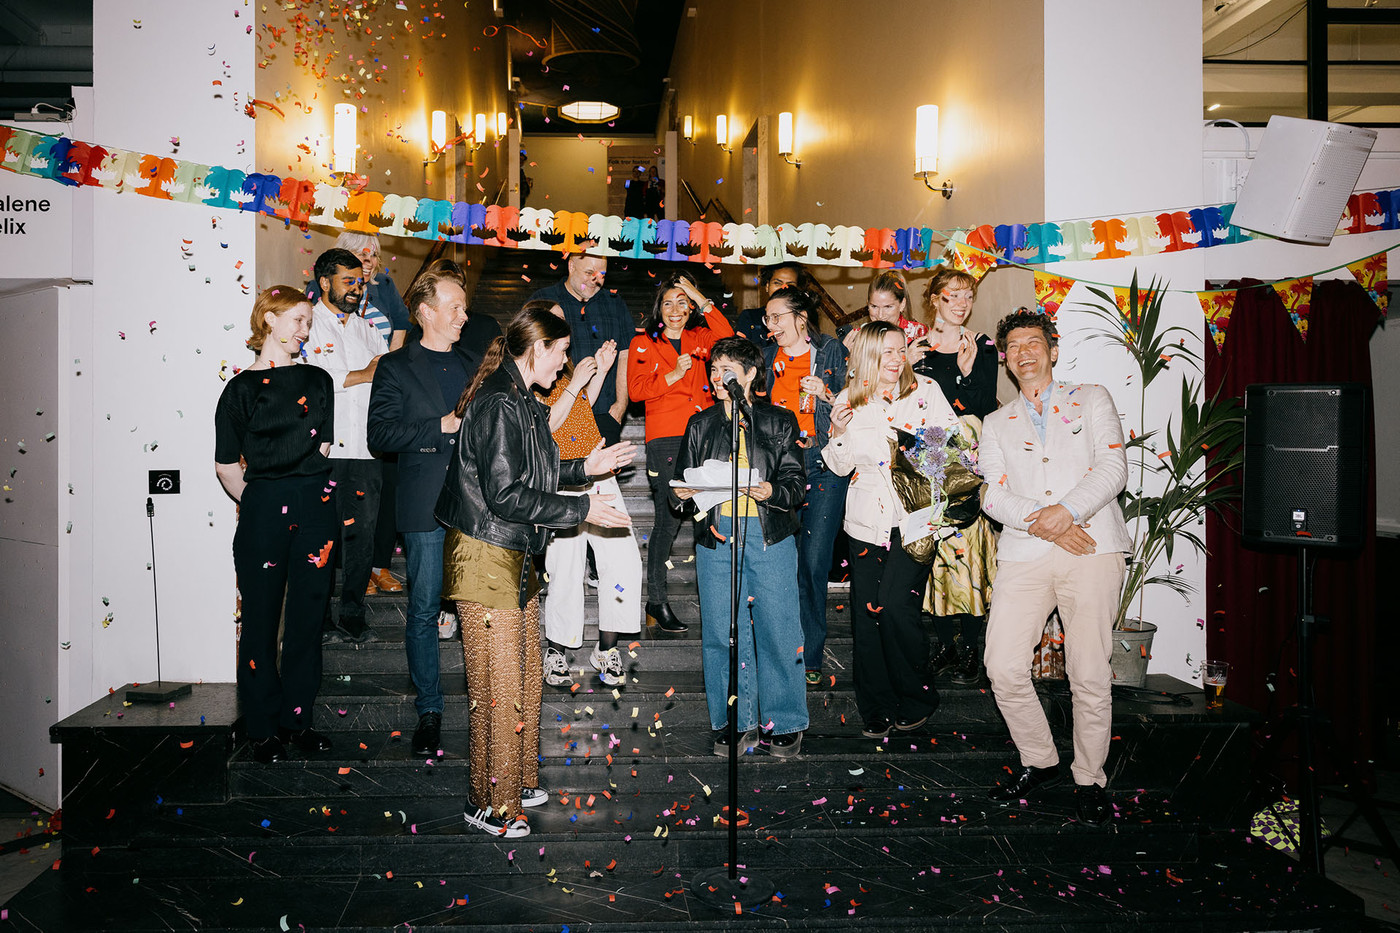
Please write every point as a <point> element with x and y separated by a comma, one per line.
<point>502,126</point>
<point>343,139</point>
<point>926,148</point>
<point>722,133</point>
<point>785,138</point>
<point>478,131</point>
<point>438,132</point>
<point>688,128</point>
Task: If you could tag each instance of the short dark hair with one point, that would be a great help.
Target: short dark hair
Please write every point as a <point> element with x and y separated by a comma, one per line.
<point>1024,317</point>
<point>744,352</point>
<point>799,301</point>
<point>765,275</point>
<point>332,260</point>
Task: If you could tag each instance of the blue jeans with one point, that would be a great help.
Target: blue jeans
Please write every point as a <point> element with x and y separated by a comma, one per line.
<point>423,550</point>
<point>770,667</point>
<point>821,520</point>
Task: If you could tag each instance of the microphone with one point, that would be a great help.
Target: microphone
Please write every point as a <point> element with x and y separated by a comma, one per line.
<point>736,390</point>
<point>150,508</point>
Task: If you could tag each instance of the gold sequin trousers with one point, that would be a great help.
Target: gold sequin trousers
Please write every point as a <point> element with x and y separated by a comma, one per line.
<point>505,677</point>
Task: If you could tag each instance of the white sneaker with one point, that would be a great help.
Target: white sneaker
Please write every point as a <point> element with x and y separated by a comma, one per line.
<point>533,796</point>
<point>556,668</point>
<point>493,826</point>
<point>608,664</point>
<point>447,625</point>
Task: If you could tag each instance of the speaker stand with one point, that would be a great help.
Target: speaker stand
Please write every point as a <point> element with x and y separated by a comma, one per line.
<point>1314,731</point>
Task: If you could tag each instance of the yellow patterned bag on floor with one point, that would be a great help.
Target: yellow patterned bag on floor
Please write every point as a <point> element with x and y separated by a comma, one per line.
<point>1280,826</point>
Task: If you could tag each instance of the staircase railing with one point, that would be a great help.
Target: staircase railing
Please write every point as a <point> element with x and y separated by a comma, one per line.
<point>721,213</point>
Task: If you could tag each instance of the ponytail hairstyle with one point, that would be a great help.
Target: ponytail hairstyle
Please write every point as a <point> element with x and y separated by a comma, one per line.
<point>548,305</point>
<point>892,281</point>
<point>531,323</point>
<point>801,303</point>
<point>866,348</point>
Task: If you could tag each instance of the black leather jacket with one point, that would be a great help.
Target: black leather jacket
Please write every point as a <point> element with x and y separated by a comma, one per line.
<point>773,452</point>
<point>503,480</point>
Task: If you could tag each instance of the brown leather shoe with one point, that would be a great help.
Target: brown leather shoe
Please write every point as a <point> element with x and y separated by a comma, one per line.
<point>371,589</point>
<point>385,581</point>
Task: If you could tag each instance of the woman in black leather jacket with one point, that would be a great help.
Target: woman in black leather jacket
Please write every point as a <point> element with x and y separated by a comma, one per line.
<point>499,501</point>
<point>771,686</point>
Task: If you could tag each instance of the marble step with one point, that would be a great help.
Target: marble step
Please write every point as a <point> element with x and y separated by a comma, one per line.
<point>1223,885</point>
<point>656,651</point>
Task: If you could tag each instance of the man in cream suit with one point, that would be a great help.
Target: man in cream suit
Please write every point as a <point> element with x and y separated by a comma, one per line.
<point>1054,462</point>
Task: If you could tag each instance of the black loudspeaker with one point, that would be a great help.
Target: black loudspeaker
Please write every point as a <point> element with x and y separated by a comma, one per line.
<point>1305,464</point>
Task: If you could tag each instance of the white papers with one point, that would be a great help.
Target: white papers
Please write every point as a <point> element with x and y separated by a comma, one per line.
<point>916,525</point>
<point>711,482</point>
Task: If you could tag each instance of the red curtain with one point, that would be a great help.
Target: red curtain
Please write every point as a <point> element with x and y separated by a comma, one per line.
<point>1252,596</point>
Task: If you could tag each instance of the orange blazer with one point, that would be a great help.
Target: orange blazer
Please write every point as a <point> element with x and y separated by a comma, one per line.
<point>648,363</point>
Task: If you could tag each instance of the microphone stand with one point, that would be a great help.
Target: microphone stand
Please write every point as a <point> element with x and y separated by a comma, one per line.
<point>722,886</point>
<point>160,691</point>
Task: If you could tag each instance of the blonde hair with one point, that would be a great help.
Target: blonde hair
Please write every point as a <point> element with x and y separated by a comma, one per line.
<point>892,281</point>
<point>279,299</point>
<point>355,242</point>
<point>866,348</point>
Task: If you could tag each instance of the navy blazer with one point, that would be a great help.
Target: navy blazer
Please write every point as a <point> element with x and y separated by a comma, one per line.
<point>405,417</point>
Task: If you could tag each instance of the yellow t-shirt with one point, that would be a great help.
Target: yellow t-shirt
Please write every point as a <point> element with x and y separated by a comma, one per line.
<point>747,507</point>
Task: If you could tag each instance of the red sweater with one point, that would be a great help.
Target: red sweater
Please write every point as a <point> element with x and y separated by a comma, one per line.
<point>649,361</point>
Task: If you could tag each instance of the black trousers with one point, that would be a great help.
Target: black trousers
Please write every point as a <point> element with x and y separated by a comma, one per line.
<point>357,484</point>
<point>661,469</point>
<point>890,652</point>
<point>386,530</point>
<point>282,553</point>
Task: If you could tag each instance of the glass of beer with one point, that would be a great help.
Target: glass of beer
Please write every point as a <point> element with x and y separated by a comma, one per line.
<point>1214,674</point>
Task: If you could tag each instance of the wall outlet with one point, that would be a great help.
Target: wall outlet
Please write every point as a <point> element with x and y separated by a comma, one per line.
<point>164,482</point>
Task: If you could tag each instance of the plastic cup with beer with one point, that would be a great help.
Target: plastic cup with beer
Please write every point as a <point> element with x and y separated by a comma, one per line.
<point>1214,674</point>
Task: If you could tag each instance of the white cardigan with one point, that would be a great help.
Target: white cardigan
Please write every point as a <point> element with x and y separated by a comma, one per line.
<point>872,507</point>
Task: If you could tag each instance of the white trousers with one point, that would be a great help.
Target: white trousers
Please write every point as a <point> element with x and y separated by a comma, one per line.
<point>1086,590</point>
<point>619,563</point>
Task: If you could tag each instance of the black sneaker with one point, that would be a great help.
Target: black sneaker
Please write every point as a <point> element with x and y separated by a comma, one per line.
<point>748,741</point>
<point>785,745</point>
<point>877,727</point>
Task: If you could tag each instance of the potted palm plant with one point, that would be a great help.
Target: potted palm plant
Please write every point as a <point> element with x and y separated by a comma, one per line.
<point>1175,473</point>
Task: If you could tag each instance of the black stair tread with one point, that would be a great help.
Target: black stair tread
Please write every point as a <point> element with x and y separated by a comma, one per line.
<point>1235,888</point>
<point>691,808</point>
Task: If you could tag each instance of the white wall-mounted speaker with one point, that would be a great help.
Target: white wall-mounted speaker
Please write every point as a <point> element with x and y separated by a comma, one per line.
<point>1301,177</point>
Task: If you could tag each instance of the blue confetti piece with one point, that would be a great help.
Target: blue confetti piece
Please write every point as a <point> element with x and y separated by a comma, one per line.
<point>573,817</point>
<point>266,823</point>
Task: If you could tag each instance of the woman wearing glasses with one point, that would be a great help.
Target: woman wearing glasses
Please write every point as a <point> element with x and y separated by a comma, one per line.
<point>666,369</point>
<point>964,364</point>
<point>806,369</point>
<point>894,687</point>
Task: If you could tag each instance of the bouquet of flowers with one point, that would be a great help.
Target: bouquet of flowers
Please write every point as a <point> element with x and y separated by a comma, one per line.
<point>937,480</point>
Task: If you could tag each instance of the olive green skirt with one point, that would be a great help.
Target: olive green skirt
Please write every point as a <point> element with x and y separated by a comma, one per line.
<point>476,572</point>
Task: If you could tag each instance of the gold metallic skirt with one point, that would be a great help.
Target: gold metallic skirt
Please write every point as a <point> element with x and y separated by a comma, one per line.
<point>476,572</point>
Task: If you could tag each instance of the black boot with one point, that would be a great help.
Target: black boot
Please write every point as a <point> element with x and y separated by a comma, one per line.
<point>943,658</point>
<point>660,615</point>
<point>968,670</point>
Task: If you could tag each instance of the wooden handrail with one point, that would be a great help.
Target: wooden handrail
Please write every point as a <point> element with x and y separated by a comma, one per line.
<point>722,214</point>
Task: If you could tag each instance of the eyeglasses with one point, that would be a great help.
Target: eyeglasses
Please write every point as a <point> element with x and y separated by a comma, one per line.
<point>771,319</point>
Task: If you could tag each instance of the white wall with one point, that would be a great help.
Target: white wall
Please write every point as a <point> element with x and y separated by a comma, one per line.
<point>1130,143</point>
<point>153,390</point>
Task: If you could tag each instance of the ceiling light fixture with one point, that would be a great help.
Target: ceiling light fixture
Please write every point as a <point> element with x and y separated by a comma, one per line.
<point>589,111</point>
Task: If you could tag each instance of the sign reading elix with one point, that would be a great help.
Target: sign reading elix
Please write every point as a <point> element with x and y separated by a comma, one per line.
<point>15,205</point>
